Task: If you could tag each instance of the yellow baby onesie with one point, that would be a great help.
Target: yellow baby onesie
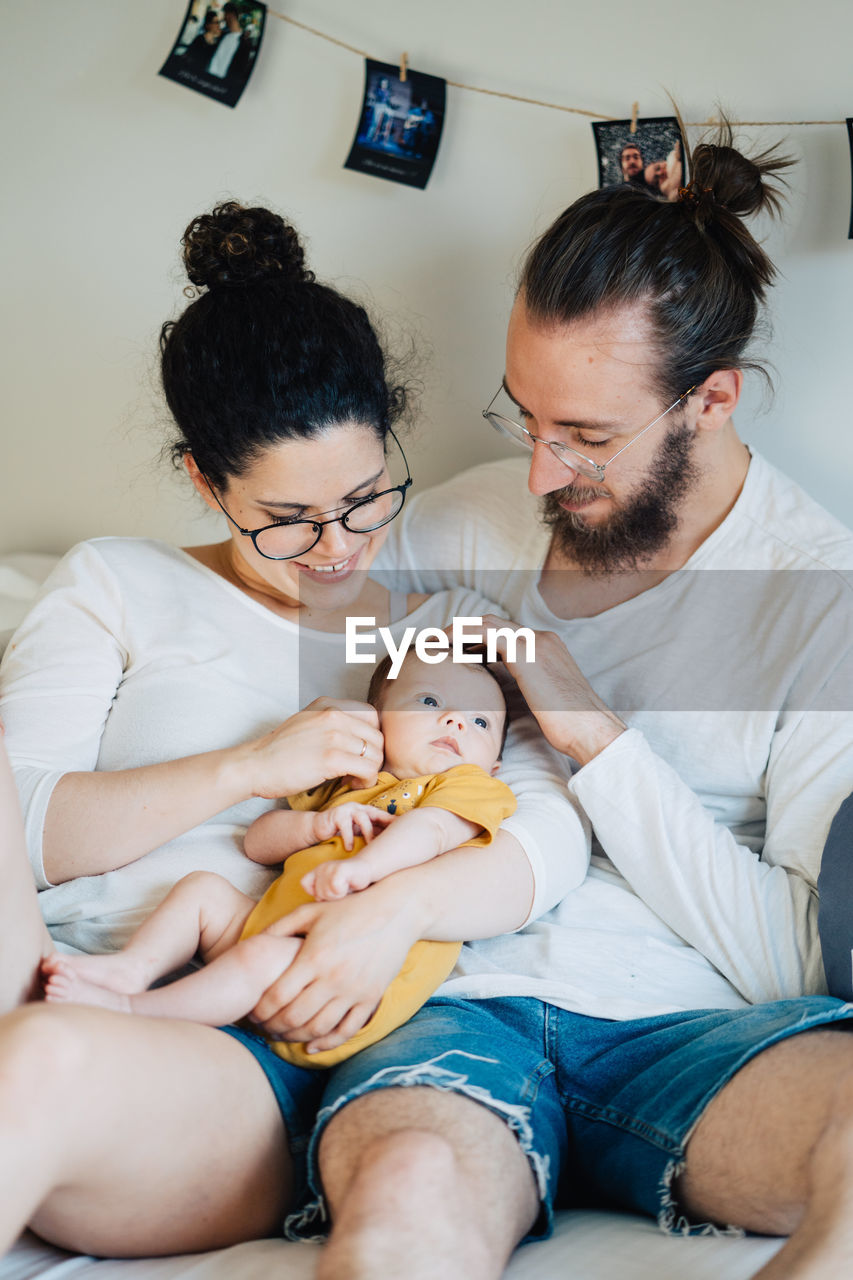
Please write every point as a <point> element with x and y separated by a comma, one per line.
<point>466,790</point>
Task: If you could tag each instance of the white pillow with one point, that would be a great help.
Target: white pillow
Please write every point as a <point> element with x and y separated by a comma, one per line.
<point>21,575</point>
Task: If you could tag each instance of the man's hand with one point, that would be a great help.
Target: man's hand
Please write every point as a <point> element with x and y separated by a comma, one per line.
<point>570,713</point>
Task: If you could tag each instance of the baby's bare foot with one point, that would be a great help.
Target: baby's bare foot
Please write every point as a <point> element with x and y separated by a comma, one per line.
<point>63,985</point>
<point>122,972</point>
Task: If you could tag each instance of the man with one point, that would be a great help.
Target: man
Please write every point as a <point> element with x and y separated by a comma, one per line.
<point>657,1041</point>
<point>631,163</point>
<point>228,44</point>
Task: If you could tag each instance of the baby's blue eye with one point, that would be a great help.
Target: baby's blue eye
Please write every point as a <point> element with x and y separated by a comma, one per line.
<point>428,700</point>
<point>481,722</point>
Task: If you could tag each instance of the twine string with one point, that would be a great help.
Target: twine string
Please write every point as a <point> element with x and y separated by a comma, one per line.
<point>539,102</point>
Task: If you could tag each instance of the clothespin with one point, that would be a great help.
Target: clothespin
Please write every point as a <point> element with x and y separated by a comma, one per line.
<point>634,109</point>
<point>404,62</point>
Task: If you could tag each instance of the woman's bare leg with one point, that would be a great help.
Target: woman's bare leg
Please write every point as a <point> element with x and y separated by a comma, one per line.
<point>134,1136</point>
<point>23,937</point>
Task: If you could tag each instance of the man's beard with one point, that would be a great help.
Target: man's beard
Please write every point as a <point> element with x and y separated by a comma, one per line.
<point>635,531</point>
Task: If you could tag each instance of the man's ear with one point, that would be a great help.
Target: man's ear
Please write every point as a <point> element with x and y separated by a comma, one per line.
<point>201,486</point>
<point>714,402</point>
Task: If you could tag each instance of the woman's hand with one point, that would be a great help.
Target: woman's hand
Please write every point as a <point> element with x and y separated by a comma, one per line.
<point>569,711</point>
<point>353,950</point>
<point>104,819</point>
<point>330,738</point>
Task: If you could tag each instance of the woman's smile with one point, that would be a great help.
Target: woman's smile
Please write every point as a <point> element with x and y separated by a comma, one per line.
<point>336,572</point>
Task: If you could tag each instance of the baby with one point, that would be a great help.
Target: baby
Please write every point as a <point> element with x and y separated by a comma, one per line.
<point>444,728</point>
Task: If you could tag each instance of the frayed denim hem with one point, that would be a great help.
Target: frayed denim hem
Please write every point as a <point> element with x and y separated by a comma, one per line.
<point>311,1222</point>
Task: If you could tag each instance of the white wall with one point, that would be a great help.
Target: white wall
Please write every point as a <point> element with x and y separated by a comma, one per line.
<point>106,162</point>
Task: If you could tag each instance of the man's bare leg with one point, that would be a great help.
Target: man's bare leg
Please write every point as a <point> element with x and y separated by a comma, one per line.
<point>423,1183</point>
<point>774,1153</point>
<point>23,938</point>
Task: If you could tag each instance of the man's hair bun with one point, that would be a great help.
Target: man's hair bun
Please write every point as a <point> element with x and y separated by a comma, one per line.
<point>691,263</point>
<point>235,245</point>
<point>741,184</point>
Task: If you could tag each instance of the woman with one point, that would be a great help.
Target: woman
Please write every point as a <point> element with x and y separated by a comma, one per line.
<point>143,699</point>
<point>198,54</point>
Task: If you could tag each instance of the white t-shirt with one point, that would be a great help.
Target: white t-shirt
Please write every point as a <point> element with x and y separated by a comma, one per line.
<point>710,813</point>
<point>135,653</point>
<point>226,46</point>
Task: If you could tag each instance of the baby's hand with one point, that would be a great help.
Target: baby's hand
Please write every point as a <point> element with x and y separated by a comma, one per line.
<point>333,880</point>
<point>345,819</point>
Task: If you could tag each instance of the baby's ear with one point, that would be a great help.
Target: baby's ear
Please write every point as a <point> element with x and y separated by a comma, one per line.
<point>495,767</point>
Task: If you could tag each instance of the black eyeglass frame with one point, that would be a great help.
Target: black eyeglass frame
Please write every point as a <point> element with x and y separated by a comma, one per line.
<point>319,525</point>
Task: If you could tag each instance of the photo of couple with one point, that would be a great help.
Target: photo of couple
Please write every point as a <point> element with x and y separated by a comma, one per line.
<point>217,47</point>
<point>651,157</point>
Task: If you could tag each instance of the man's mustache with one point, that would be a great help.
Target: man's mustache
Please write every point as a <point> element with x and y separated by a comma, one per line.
<point>574,493</point>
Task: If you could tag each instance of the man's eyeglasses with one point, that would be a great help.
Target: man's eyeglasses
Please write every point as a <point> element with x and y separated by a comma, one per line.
<point>287,539</point>
<point>579,462</point>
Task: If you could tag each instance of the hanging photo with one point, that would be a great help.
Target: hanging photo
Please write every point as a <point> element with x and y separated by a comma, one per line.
<point>400,126</point>
<point>216,48</point>
<point>850,140</point>
<point>652,158</point>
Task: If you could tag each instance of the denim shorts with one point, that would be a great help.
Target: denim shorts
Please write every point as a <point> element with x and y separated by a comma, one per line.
<point>603,1110</point>
<point>298,1092</point>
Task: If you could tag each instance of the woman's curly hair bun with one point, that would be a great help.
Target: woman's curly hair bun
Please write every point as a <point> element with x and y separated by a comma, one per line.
<point>234,245</point>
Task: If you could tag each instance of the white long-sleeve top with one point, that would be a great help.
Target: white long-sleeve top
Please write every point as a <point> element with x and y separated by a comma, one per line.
<point>710,813</point>
<point>134,653</point>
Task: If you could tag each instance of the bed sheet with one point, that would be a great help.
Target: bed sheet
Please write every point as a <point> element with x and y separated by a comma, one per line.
<point>585,1246</point>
